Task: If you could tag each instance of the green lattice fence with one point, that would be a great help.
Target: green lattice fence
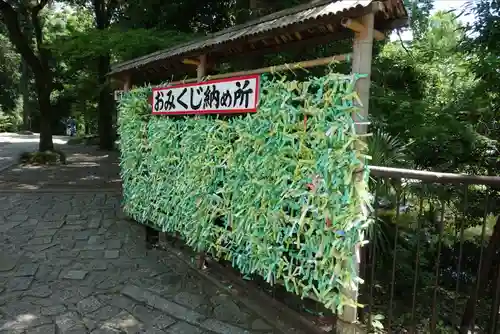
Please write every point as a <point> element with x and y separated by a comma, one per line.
<point>271,193</point>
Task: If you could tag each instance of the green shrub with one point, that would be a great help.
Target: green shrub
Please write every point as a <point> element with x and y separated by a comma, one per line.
<point>237,187</point>
<point>43,158</point>
<point>8,123</point>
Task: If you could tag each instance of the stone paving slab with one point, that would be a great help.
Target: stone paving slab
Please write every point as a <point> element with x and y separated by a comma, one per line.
<point>71,263</point>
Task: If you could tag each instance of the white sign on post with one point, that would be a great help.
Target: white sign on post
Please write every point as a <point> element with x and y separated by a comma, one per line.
<point>232,95</point>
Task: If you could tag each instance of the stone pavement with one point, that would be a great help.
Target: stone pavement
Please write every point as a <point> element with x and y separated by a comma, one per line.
<point>71,263</point>
<point>12,144</point>
<point>86,169</point>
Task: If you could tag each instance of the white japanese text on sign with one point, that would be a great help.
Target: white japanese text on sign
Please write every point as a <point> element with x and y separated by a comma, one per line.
<point>232,95</point>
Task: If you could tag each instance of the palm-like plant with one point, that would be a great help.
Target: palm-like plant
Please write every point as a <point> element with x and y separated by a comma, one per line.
<point>385,150</point>
<point>388,151</point>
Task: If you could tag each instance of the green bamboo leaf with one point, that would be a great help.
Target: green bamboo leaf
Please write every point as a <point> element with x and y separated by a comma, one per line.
<point>197,175</point>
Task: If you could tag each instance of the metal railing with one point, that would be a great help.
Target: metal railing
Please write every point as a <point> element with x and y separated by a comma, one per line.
<point>432,264</point>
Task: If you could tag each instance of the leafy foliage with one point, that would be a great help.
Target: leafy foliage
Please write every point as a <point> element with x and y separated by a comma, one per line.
<point>9,123</point>
<point>43,158</point>
<point>9,75</point>
<point>428,97</point>
<point>124,45</point>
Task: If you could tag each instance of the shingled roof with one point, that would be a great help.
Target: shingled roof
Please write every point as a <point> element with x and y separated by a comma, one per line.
<point>315,19</point>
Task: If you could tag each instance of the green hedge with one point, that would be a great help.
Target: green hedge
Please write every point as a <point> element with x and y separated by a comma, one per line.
<point>239,188</point>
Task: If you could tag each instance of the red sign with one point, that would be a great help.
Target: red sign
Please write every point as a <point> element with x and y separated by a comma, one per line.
<point>231,95</point>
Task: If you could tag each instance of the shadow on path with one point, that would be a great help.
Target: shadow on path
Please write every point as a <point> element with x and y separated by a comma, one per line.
<point>86,169</point>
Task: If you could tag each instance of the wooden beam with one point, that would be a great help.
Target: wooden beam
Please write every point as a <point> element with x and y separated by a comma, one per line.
<point>191,62</point>
<point>150,73</point>
<point>270,69</point>
<point>359,28</point>
<point>361,64</point>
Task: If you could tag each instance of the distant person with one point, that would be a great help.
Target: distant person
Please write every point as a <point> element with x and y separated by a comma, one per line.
<point>71,126</point>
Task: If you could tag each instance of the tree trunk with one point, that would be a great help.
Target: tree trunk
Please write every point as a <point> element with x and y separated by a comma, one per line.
<point>87,123</point>
<point>25,24</point>
<point>103,12</point>
<point>46,143</point>
<point>25,93</point>
<point>39,64</point>
<point>105,107</point>
<point>483,277</point>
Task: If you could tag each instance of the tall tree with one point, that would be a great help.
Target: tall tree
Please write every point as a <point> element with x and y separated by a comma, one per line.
<point>24,82</point>
<point>37,58</point>
<point>420,11</point>
<point>104,11</point>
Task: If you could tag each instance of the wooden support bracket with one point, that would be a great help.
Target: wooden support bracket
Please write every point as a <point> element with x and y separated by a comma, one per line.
<point>191,62</point>
<point>359,28</point>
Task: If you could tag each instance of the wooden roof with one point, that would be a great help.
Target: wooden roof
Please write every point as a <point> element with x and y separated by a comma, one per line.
<point>317,22</point>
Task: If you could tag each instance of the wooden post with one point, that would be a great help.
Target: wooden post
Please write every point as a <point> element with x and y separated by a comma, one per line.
<point>361,64</point>
<point>126,83</point>
<point>201,70</point>
<point>162,239</point>
<point>200,74</point>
